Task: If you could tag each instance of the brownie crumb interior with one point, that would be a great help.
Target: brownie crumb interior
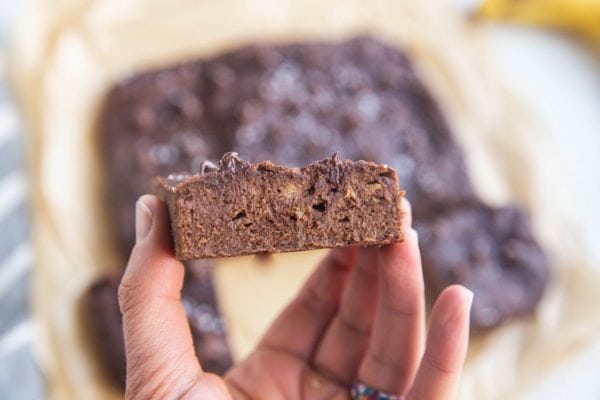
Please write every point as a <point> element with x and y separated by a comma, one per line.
<point>245,208</point>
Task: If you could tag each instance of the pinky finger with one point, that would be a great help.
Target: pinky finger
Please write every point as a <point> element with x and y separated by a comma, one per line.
<point>447,341</point>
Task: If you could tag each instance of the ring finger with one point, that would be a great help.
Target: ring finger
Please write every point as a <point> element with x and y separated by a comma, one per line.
<point>346,339</point>
<point>397,339</point>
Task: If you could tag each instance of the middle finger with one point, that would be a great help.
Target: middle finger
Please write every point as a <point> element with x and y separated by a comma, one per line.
<point>397,340</point>
<point>344,343</point>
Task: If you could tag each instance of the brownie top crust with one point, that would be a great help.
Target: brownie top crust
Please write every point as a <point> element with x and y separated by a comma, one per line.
<point>231,163</point>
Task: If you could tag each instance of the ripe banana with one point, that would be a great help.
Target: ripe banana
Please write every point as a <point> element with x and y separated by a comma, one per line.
<point>581,17</point>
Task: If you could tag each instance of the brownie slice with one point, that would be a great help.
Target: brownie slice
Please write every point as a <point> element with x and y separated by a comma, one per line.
<point>493,252</point>
<point>200,302</point>
<point>243,208</point>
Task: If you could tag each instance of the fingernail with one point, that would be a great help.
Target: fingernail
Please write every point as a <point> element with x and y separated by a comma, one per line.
<point>414,232</point>
<point>469,297</point>
<point>143,220</point>
<point>406,211</point>
<point>410,235</point>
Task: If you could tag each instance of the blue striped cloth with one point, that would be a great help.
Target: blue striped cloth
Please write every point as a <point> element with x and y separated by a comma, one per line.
<point>20,377</point>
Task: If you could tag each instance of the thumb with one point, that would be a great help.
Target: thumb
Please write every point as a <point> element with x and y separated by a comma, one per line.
<point>161,361</point>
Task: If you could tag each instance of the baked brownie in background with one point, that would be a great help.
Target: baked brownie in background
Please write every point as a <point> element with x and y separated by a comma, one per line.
<point>291,104</point>
<point>199,299</point>
<point>103,318</point>
<point>208,327</point>
<point>243,208</point>
<point>294,104</point>
<point>493,252</point>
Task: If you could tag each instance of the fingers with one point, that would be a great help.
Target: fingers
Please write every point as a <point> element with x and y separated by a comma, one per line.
<point>299,327</point>
<point>346,340</point>
<point>158,342</point>
<point>395,349</point>
<point>446,348</point>
<point>347,337</point>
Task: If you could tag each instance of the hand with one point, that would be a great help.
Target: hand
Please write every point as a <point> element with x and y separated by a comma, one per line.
<point>360,316</point>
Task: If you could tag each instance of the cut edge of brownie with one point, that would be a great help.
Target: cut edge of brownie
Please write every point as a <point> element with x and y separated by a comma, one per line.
<point>243,208</point>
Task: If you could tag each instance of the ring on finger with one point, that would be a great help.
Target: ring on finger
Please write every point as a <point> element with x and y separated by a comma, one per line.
<point>360,391</point>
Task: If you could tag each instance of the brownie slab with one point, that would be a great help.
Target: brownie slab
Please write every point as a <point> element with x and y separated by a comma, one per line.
<point>493,252</point>
<point>291,104</point>
<point>199,299</point>
<point>243,208</point>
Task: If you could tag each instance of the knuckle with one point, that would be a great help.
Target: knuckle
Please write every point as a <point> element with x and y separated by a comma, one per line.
<point>313,301</point>
<point>398,368</point>
<point>149,378</point>
<point>440,366</point>
<point>127,296</point>
<point>382,360</point>
<point>367,270</point>
<point>400,311</point>
<point>350,324</point>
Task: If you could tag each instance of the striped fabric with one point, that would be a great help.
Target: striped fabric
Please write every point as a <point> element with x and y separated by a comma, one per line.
<point>19,376</point>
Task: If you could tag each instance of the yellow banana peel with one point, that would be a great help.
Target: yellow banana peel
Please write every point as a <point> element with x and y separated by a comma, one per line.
<point>581,17</point>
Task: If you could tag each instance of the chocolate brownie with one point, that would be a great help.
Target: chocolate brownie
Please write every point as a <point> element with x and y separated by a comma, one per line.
<point>291,104</point>
<point>199,299</point>
<point>242,208</point>
<point>493,252</point>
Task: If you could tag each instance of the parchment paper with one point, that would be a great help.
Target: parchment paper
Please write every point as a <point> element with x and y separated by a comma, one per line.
<point>68,54</point>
